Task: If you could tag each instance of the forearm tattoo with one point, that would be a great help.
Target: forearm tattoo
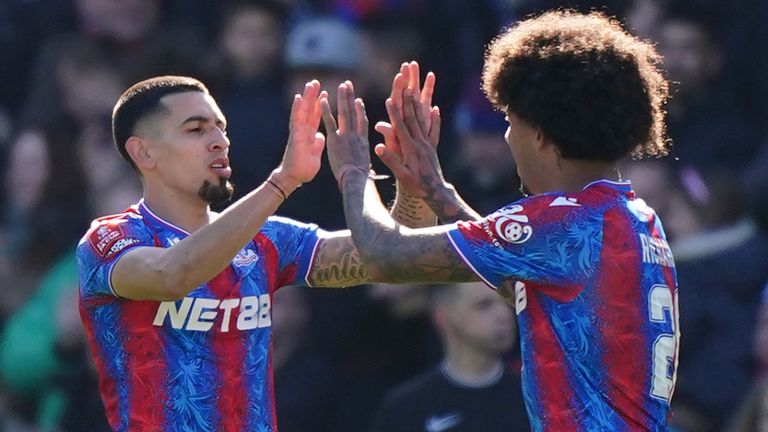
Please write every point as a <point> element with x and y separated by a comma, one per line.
<point>430,259</point>
<point>412,212</point>
<point>338,264</point>
<point>392,253</point>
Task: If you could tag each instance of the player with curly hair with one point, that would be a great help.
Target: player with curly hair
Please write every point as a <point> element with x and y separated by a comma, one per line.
<point>582,259</point>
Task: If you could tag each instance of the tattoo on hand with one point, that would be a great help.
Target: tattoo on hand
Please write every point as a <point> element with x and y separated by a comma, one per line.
<point>447,211</point>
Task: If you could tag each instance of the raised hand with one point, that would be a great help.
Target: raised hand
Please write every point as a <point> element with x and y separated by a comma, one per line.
<point>347,140</point>
<point>403,160</point>
<point>303,153</point>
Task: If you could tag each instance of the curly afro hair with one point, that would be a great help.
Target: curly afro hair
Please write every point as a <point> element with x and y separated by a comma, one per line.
<point>593,89</point>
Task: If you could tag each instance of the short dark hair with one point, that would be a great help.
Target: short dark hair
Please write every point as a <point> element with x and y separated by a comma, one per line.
<point>142,100</point>
<point>593,89</point>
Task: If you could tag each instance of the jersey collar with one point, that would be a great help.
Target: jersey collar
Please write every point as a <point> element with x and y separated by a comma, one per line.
<point>624,186</point>
<point>157,220</point>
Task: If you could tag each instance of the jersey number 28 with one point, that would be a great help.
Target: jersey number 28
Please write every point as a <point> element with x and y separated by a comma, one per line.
<point>663,308</point>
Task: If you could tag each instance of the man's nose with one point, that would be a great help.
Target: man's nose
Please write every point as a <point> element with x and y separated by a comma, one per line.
<point>220,141</point>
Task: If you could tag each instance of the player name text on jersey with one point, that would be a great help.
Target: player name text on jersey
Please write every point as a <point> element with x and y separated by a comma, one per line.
<point>656,251</point>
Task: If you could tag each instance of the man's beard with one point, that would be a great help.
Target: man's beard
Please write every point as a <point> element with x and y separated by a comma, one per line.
<point>221,192</point>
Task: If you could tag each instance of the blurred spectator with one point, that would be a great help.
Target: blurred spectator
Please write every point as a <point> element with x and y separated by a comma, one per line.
<point>393,341</point>
<point>388,43</point>
<point>130,34</point>
<point>44,360</point>
<point>90,85</point>
<point>707,125</point>
<point>644,17</point>
<point>330,50</point>
<point>40,183</point>
<point>252,95</point>
<point>24,25</point>
<point>45,213</point>
<point>306,384</point>
<point>720,266</point>
<point>472,389</point>
<point>484,170</point>
<point>43,357</point>
<point>323,48</point>
<point>752,415</point>
<point>718,251</point>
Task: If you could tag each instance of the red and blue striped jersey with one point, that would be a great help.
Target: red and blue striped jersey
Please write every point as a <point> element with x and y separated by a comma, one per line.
<point>594,286</point>
<point>201,363</point>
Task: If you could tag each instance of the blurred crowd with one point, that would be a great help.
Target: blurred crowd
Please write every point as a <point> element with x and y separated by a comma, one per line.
<point>337,353</point>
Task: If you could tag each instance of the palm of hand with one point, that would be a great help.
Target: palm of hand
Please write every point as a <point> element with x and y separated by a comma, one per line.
<point>303,154</point>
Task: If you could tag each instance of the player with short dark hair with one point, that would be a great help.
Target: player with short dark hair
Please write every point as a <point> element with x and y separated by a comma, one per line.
<point>584,261</point>
<point>143,100</point>
<point>176,299</point>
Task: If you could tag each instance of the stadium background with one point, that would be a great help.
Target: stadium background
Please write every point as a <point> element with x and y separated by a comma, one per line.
<point>64,62</point>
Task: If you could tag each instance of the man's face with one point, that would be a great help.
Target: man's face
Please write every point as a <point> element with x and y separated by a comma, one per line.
<point>189,146</point>
<point>689,58</point>
<point>253,40</point>
<point>483,319</point>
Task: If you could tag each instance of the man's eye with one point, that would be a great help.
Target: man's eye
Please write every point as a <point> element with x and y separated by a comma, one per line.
<point>196,130</point>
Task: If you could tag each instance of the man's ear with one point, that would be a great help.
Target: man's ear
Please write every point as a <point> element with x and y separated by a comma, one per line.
<point>138,150</point>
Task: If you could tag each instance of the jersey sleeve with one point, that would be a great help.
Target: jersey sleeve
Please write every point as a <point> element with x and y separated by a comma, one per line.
<point>296,245</point>
<point>101,247</point>
<point>541,239</point>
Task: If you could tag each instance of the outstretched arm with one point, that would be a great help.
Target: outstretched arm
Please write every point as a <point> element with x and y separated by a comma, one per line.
<point>337,262</point>
<point>391,252</point>
<point>153,273</point>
